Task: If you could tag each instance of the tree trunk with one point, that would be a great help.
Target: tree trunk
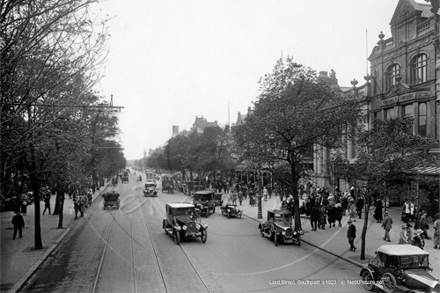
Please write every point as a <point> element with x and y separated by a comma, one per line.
<point>60,202</point>
<point>294,186</point>
<point>37,235</point>
<point>364,228</point>
<point>57,203</point>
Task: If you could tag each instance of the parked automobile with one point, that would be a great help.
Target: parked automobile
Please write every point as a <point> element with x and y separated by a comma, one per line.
<point>204,202</point>
<point>111,200</point>
<point>399,268</point>
<point>150,189</point>
<point>231,210</point>
<point>124,179</point>
<point>278,227</point>
<point>182,221</point>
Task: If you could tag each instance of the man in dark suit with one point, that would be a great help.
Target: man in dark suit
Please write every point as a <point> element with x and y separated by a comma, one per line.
<point>18,223</point>
<point>351,235</point>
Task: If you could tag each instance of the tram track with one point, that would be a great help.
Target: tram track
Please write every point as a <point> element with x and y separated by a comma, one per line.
<point>106,241</point>
<point>160,213</point>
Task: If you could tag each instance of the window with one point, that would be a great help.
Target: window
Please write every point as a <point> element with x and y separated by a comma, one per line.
<point>389,113</point>
<point>419,69</point>
<point>407,111</point>
<point>390,75</point>
<point>422,119</point>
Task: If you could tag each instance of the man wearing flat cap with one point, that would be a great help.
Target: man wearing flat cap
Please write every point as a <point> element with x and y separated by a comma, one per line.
<point>351,234</point>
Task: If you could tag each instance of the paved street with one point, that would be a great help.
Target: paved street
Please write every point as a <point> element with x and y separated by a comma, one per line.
<point>127,251</point>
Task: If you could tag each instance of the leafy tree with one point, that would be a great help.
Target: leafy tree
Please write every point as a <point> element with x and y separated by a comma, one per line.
<point>294,111</point>
<point>50,56</point>
<point>385,154</point>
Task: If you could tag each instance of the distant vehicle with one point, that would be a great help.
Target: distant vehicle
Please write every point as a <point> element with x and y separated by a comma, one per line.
<point>218,199</point>
<point>124,179</point>
<point>111,200</point>
<point>204,202</point>
<point>231,210</point>
<point>278,227</point>
<point>399,268</point>
<point>150,189</point>
<point>182,221</point>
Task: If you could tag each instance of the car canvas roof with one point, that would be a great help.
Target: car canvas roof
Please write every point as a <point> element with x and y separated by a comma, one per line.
<point>401,249</point>
<point>205,192</point>
<point>180,205</point>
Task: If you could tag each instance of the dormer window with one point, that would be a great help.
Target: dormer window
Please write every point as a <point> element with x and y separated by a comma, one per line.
<point>390,75</point>
<point>419,69</point>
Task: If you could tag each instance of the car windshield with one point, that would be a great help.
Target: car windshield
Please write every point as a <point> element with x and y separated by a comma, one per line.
<point>283,219</point>
<point>202,197</point>
<point>149,185</point>
<point>413,261</point>
<point>183,211</point>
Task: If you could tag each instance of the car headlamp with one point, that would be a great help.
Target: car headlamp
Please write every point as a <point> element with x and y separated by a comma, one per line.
<point>184,227</point>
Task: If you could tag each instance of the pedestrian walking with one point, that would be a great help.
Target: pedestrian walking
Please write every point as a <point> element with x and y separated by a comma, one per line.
<point>378,213</point>
<point>359,205</point>
<point>76,206</point>
<point>352,211</point>
<point>405,234</point>
<point>314,218</point>
<point>265,193</point>
<point>437,231</point>
<point>406,212</point>
<point>240,196</point>
<point>338,213</point>
<point>351,235</point>
<point>387,225</point>
<point>18,223</point>
<point>418,239</point>
<point>423,225</point>
<point>308,208</point>
<point>24,203</point>
<point>322,217</point>
<point>331,213</point>
<point>344,204</point>
<point>47,203</point>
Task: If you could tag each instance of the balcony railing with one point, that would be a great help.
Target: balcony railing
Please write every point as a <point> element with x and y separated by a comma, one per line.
<point>423,28</point>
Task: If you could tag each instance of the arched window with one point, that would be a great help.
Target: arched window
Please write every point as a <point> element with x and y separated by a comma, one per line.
<point>390,75</point>
<point>422,119</point>
<point>419,69</point>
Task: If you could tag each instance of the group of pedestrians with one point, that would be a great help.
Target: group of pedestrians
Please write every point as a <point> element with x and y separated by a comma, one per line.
<point>81,203</point>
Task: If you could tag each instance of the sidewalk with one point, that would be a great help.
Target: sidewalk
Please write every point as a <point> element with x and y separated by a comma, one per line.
<point>19,259</point>
<point>334,240</point>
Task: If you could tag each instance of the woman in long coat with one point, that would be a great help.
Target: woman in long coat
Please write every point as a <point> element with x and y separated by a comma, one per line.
<point>378,213</point>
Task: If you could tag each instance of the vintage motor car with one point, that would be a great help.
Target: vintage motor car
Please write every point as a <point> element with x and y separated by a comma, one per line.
<point>204,202</point>
<point>399,268</point>
<point>124,179</point>
<point>150,189</point>
<point>231,210</point>
<point>278,227</point>
<point>111,200</point>
<point>182,221</point>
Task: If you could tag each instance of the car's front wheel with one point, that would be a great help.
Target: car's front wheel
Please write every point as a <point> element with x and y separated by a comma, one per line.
<point>367,281</point>
<point>389,282</point>
<point>204,235</point>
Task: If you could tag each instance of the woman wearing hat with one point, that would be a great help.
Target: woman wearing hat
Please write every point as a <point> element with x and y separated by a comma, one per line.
<point>418,239</point>
<point>405,234</point>
<point>437,231</point>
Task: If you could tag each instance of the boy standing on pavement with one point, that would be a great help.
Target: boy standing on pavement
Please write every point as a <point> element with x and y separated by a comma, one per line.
<point>387,224</point>
<point>351,235</point>
<point>18,223</point>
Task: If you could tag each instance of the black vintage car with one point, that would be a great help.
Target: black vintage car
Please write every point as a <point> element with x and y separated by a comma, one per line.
<point>399,268</point>
<point>124,179</point>
<point>182,221</point>
<point>278,227</point>
<point>150,189</point>
<point>204,202</point>
<point>231,210</point>
<point>111,200</point>
<point>218,199</point>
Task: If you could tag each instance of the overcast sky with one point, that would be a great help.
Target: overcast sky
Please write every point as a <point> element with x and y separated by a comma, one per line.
<point>171,61</point>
